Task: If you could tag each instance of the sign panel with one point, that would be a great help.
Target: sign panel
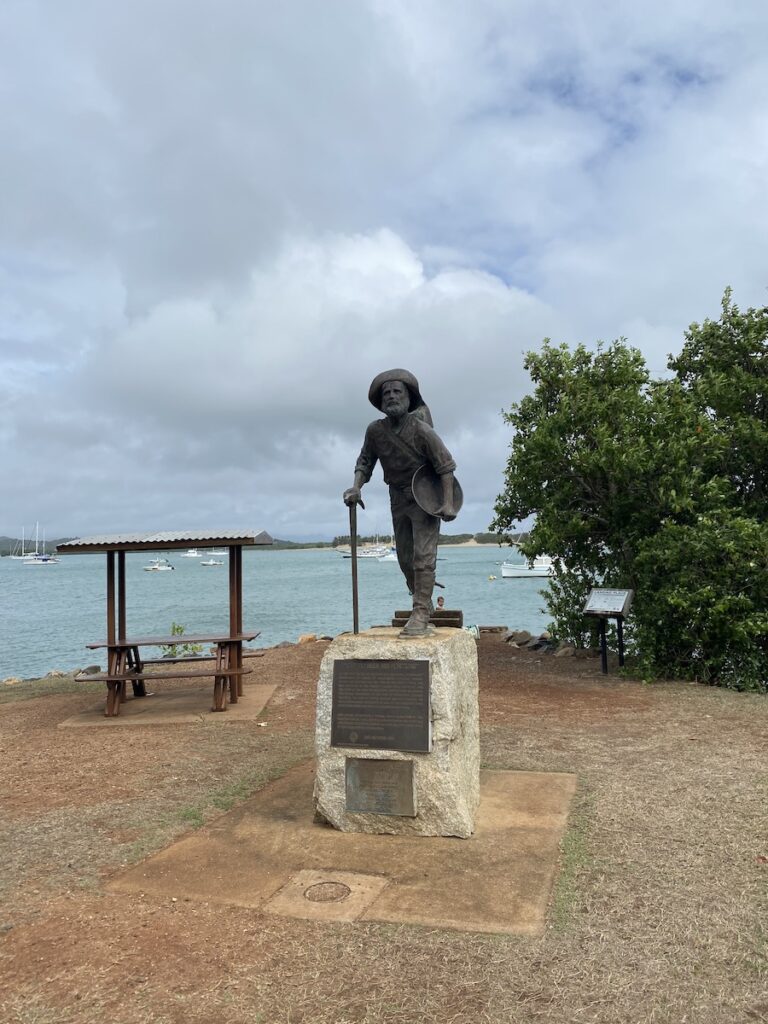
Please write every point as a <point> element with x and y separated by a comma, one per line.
<point>608,602</point>
<point>381,704</point>
<point>376,786</point>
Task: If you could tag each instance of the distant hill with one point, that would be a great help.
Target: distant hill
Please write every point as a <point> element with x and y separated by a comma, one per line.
<point>445,538</point>
<point>8,544</point>
<point>296,544</point>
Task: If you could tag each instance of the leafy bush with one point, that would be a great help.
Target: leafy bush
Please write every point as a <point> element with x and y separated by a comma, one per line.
<point>704,605</point>
<point>183,650</point>
<point>659,486</point>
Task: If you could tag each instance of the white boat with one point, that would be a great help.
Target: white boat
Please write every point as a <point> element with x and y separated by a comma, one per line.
<point>211,561</point>
<point>391,556</point>
<point>541,566</point>
<point>191,553</point>
<point>378,552</point>
<point>38,557</point>
<point>19,552</point>
<point>158,565</point>
<point>215,551</point>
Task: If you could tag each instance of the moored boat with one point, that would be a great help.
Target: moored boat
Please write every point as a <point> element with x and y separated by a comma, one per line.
<point>540,567</point>
<point>377,552</point>
<point>38,557</point>
<point>158,565</point>
<point>19,552</point>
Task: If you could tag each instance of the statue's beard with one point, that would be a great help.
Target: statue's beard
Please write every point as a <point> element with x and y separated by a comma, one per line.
<point>396,409</point>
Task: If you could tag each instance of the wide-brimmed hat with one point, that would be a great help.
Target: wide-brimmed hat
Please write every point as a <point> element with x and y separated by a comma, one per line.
<point>374,391</point>
<point>427,489</point>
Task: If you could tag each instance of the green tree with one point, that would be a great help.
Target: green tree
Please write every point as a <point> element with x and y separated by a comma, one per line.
<point>653,485</point>
<point>724,370</point>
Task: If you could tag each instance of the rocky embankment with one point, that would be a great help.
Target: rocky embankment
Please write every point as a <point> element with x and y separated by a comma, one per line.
<point>543,642</point>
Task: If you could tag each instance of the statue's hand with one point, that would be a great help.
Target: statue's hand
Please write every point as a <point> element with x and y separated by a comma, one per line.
<point>352,497</point>
<point>445,515</point>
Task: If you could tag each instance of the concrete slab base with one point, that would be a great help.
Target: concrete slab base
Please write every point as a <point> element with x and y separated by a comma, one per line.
<point>268,852</point>
<point>171,707</point>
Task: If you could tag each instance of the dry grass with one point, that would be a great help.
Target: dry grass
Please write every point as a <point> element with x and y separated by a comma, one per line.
<point>27,689</point>
<point>659,914</point>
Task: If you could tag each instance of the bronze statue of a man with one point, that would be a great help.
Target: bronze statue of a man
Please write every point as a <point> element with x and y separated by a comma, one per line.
<point>403,442</point>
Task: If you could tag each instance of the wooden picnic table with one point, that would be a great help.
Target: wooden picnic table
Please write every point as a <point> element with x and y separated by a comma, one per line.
<point>124,661</point>
<point>127,665</point>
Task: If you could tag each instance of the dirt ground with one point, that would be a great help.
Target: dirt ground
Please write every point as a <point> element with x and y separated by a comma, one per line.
<point>659,913</point>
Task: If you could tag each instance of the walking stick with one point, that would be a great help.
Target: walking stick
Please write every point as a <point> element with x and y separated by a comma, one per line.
<point>353,546</point>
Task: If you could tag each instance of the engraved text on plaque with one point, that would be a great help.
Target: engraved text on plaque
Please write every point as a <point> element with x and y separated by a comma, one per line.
<point>375,786</point>
<point>381,704</point>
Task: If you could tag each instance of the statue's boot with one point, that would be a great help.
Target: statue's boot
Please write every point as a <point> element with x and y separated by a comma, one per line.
<point>418,623</point>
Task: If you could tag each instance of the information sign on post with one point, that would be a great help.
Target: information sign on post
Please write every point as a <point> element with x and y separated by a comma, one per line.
<point>605,603</point>
<point>608,602</point>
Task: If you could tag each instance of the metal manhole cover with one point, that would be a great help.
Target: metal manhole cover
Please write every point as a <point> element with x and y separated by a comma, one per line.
<point>327,892</point>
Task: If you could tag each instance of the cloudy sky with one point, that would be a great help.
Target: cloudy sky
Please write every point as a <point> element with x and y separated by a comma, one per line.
<point>219,220</point>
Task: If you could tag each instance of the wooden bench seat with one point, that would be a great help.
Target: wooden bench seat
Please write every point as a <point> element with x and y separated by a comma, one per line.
<point>440,617</point>
<point>187,659</point>
<point>194,673</point>
<point>116,683</point>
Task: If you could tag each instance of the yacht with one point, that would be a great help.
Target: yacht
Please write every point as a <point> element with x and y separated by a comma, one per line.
<point>38,557</point>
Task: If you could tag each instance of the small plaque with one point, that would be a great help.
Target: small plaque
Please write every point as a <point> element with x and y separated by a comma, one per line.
<point>375,786</point>
<point>381,704</point>
<point>608,602</point>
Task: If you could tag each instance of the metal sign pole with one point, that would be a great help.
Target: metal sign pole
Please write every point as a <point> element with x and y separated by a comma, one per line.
<point>620,631</point>
<point>603,646</point>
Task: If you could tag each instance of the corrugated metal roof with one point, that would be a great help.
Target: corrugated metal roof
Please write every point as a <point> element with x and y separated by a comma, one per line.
<point>167,539</point>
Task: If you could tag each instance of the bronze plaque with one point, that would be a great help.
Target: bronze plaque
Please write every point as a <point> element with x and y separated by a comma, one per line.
<point>379,787</point>
<point>381,704</point>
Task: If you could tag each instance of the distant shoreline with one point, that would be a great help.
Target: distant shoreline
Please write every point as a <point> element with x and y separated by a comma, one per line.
<point>344,548</point>
<point>463,544</point>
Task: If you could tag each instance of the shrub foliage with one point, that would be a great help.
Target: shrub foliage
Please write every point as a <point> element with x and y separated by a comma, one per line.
<point>657,485</point>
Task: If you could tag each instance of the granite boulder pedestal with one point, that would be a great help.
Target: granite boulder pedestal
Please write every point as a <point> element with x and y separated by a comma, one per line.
<point>397,734</point>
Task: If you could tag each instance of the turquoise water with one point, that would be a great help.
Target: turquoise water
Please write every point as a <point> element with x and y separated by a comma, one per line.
<point>49,612</point>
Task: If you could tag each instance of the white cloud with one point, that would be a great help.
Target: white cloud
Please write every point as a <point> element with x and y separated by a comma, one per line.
<point>218,223</point>
<point>270,390</point>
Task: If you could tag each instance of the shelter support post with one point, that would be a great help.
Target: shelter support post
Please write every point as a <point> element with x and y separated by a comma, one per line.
<point>121,633</point>
<point>235,655</point>
<point>111,597</point>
